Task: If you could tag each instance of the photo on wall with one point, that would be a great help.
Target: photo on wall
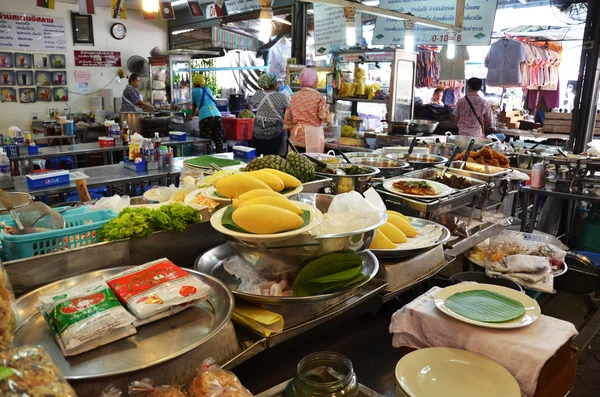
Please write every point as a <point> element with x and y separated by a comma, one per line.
<point>43,78</point>
<point>44,94</point>
<point>41,61</point>
<point>57,61</point>
<point>27,95</point>
<point>61,94</point>
<point>6,60</point>
<point>7,77</point>
<point>24,77</point>
<point>8,94</point>
<point>59,78</point>
<point>23,60</point>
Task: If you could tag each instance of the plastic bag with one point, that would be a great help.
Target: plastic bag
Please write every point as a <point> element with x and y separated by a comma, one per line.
<point>146,388</point>
<point>160,193</point>
<point>29,371</point>
<point>213,381</point>
<point>115,203</point>
<point>8,311</point>
<point>111,391</point>
<point>350,212</point>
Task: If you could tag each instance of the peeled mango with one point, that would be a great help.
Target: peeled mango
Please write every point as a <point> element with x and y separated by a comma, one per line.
<point>289,181</point>
<point>266,219</point>
<point>403,225</point>
<point>252,194</point>
<point>273,181</point>
<point>275,202</point>
<point>237,184</point>
<point>395,235</point>
<point>390,212</point>
<point>381,242</point>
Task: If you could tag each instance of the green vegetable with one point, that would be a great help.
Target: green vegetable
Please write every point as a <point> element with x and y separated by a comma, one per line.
<point>142,222</point>
<point>329,273</point>
<point>227,220</point>
<point>6,373</point>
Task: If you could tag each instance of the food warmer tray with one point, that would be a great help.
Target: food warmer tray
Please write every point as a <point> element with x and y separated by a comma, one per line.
<point>211,263</point>
<point>278,391</point>
<point>432,173</point>
<point>432,207</point>
<point>485,173</point>
<point>153,344</point>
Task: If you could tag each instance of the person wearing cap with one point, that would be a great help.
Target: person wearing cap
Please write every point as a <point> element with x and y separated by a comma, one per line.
<point>306,114</point>
<point>268,134</point>
<point>203,102</point>
<point>473,113</point>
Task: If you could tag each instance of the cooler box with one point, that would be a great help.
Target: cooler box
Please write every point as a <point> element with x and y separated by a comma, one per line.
<point>105,141</point>
<point>238,129</point>
<point>46,179</point>
<point>178,136</point>
<point>244,153</point>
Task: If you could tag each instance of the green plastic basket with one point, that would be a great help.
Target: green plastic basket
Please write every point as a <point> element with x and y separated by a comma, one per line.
<point>81,229</point>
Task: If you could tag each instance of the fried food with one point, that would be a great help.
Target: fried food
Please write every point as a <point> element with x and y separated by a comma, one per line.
<point>421,188</point>
<point>486,156</point>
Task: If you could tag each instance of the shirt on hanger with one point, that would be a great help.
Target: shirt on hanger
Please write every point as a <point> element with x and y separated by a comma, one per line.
<point>453,69</point>
<point>504,63</point>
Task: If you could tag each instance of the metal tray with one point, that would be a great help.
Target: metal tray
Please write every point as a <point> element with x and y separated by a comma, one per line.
<point>432,173</point>
<point>153,343</point>
<point>418,223</point>
<point>485,173</point>
<point>278,391</point>
<point>211,263</point>
<point>317,185</point>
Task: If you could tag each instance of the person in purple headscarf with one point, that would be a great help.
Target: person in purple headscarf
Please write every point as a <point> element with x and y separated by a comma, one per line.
<point>307,113</point>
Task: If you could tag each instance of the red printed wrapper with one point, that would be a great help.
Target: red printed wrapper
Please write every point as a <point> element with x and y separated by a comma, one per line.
<point>156,287</point>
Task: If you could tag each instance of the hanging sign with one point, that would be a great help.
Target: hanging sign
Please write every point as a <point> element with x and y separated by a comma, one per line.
<point>478,22</point>
<point>32,33</point>
<point>239,6</point>
<point>330,28</point>
<point>97,58</point>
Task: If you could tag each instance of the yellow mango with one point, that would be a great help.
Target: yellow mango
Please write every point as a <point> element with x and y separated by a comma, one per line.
<point>237,184</point>
<point>273,181</point>
<point>266,219</point>
<point>403,225</point>
<point>381,242</point>
<point>393,233</point>
<point>390,212</point>
<point>282,203</point>
<point>289,181</point>
<point>252,194</point>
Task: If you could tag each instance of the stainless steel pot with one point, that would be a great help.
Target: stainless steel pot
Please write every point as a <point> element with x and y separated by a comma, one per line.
<point>418,161</point>
<point>348,183</point>
<point>422,126</point>
<point>434,148</point>
<point>388,168</point>
<point>463,141</point>
<point>398,127</point>
<point>446,149</point>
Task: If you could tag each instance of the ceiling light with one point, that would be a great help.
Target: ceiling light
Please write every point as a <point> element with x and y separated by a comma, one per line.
<point>451,53</point>
<point>409,36</point>
<point>150,6</point>
<point>178,2</point>
<point>350,14</point>
<point>265,18</point>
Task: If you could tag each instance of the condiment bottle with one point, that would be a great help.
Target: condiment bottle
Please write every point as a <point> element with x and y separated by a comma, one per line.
<point>125,132</point>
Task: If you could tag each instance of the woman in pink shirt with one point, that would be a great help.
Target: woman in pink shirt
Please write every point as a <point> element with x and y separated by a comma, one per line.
<point>306,114</point>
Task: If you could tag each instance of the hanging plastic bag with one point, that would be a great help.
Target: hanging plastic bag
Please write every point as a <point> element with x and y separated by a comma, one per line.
<point>315,139</point>
<point>145,388</point>
<point>213,381</point>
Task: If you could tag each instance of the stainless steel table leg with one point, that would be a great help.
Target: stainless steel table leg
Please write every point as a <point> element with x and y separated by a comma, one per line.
<point>534,210</point>
<point>524,210</point>
<point>570,205</point>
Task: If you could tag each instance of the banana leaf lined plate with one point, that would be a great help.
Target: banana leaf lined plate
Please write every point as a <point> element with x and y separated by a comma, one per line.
<point>211,193</point>
<point>532,309</point>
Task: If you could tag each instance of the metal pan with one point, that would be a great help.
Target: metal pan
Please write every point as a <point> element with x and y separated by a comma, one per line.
<point>485,173</point>
<point>212,263</point>
<point>153,343</point>
<point>463,141</point>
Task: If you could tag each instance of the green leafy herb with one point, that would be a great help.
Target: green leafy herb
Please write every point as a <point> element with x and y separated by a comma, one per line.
<point>227,220</point>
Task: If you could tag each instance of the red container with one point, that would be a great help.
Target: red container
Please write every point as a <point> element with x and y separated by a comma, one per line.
<point>238,129</point>
<point>105,141</point>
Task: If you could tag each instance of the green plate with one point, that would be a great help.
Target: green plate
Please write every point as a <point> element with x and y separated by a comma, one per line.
<point>485,306</point>
<point>204,161</point>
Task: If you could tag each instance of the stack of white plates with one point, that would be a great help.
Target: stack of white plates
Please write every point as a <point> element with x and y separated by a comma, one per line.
<point>441,371</point>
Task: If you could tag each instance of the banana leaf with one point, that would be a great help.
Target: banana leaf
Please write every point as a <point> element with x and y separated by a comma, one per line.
<point>338,268</point>
<point>204,161</point>
<point>227,220</point>
<point>337,277</point>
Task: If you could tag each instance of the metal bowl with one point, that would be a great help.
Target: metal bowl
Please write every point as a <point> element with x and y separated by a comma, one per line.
<point>348,183</point>
<point>422,126</point>
<point>418,161</point>
<point>388,168</point>
<point>361,154</point>
<point>17,199</point>
<point>463,141</point>
<point>326,158</point>
<point>286,258</point>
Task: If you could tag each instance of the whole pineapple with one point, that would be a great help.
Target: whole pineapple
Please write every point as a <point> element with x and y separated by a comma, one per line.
<point>270,161</point>
<point>302,168</point>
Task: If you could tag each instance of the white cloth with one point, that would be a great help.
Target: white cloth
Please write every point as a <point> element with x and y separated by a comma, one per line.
<point>522,351</point>
<point>504,63</point>
<point>453,69</point>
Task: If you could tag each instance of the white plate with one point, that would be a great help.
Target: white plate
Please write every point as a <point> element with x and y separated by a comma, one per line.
<point>315,219</point>
<point>442,371</point>
<point>532,309</point>
<point>407,249</point>
<point>441,190</point>
<point>209,192</point>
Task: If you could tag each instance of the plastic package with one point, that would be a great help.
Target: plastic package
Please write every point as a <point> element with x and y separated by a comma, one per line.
<point>160,193</point>
<point>213,381</point>
<point>8,311</point>
<point>146,388</point>
<point>111,391</point>
<point>115,203</point>
<point>33,374</point>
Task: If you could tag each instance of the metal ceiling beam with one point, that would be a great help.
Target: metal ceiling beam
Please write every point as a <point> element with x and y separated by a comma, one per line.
<point>381,12</point>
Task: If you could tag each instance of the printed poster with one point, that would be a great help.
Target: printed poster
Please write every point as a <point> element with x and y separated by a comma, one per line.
<point>83,81</point>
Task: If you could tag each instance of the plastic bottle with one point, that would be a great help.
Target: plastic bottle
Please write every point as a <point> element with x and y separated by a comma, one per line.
<point>4,165</point>
<point>156,140</point>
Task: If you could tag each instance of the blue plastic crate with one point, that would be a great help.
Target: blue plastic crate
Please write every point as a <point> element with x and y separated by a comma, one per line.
<point>81,230</point>
<point>137,167</point>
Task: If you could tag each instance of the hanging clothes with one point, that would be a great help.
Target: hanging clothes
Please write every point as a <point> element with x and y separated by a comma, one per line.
<point>504,63</point>
<point>550,97</point>
<point>453,69</point>
<point>428,69</point>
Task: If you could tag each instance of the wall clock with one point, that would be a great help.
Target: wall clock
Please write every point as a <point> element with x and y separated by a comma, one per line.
<point>118,31</point>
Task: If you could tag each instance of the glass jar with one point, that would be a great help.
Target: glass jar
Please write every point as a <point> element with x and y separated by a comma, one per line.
<point>324,374</point>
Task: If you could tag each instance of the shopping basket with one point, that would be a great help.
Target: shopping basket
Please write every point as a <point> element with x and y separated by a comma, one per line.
<point>81,229</point>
